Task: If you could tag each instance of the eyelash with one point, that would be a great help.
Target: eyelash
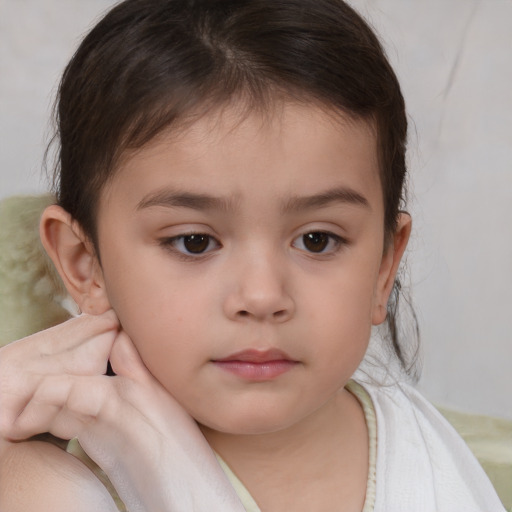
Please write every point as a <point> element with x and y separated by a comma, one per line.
<point>171,244</point>
<point>333,243</point>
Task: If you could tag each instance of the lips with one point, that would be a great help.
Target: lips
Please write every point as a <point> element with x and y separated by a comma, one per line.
<point>256,365</point>
<point>256,356</point>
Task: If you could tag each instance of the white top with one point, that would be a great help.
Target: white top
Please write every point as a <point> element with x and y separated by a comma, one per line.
<point>421,463</point>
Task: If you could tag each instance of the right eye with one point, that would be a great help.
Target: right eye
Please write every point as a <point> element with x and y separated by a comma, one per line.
<point>192,244</point>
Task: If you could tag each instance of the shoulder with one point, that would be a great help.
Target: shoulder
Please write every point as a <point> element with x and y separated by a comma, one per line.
<point>421,460</point>
<point>39,476</point>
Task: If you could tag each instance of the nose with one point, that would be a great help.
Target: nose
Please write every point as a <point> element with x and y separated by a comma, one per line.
<point>259,289</point>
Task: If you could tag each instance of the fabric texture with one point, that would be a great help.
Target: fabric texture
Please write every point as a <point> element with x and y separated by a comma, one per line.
<point>371,423</point>
<point>422,462</point>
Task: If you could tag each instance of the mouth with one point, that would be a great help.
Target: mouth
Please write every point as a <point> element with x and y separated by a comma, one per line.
<point>257,365</point>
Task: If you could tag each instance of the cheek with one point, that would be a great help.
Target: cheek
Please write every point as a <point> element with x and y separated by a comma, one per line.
<point>161,316</point>
<point>343,331</point>
<point>340,314</point>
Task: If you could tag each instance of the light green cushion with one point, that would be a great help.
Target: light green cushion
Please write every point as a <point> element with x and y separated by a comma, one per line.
<point>30,288</point>
<point>490,439</point>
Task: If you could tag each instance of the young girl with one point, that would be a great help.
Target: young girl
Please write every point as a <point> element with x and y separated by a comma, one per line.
<point>229,222</point>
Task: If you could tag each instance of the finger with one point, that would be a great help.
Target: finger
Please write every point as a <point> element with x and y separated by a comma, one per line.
<point>20,381</point>
<point>80,346</point>
<point>73,332</point>
<point>62,337</point>
<point>125,360</point>
<point>85,344</point>
<point>64,406</point>
<point>88,358</point>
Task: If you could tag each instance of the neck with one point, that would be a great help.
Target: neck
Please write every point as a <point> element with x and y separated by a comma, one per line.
<point>334,437</point>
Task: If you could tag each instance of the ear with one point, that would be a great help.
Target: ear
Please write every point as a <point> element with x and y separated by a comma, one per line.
<point>389,267</point>
<point>75,259</point>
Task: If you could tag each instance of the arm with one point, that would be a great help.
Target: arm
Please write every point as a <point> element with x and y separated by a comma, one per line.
<point>39,476</point>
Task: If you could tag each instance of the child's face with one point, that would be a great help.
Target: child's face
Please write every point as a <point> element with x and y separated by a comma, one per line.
<point>259,318</point>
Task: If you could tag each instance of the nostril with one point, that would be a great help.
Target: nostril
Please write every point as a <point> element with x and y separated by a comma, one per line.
<point>280,314</point>
<point>243,313</point>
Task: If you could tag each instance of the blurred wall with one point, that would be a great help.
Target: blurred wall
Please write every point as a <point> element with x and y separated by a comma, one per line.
<point>454,61</point>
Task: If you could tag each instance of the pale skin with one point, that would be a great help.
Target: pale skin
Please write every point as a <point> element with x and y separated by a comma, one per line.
<point>252,191</point>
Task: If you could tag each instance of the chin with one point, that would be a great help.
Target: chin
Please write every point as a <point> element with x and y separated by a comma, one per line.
<point>248,423</point>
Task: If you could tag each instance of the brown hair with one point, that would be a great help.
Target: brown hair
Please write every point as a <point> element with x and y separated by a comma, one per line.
<point>149,64</point>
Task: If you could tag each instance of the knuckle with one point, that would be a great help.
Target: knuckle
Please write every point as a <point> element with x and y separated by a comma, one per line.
<point>88,398</point>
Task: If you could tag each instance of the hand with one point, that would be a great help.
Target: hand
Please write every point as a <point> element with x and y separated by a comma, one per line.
<point>151,449</point>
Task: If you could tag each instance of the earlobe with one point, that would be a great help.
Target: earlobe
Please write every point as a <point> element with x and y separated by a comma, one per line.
<point>75,259</point>
<point>389,267</point>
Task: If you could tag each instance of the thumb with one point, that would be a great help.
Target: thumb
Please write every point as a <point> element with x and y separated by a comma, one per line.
<point>125,360</point>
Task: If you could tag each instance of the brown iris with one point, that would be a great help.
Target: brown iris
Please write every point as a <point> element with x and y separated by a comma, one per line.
<point>315,242</point>
<point>196,244</point>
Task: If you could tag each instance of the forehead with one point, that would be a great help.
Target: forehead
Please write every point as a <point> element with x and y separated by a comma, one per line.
<point>293,149</point>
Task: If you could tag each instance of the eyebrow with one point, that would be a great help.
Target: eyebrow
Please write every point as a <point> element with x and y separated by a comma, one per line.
<point>326,198</point>
<point>176,199</point>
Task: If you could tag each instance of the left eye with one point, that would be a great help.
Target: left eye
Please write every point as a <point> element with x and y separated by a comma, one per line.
<point>318,242</point>
<point>192,244</point>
